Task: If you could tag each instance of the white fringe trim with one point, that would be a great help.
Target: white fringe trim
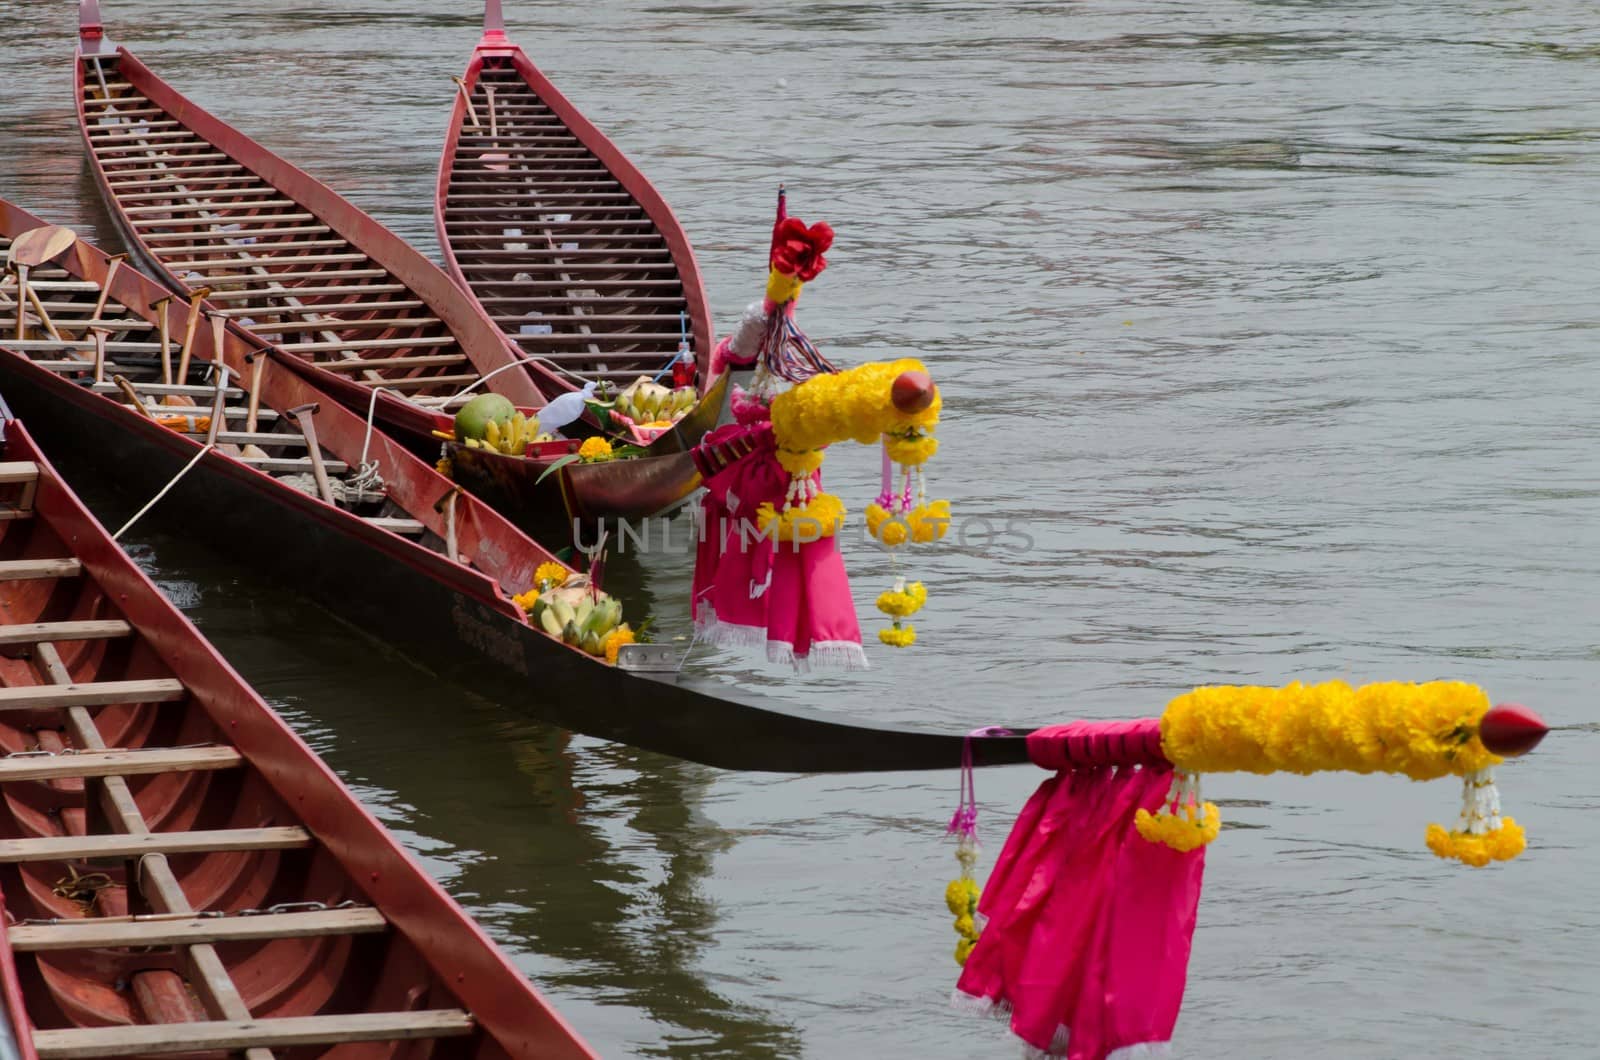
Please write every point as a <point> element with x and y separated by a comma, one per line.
<point>824,654</point>
<point>713,630</point>
<point>990,1008</point>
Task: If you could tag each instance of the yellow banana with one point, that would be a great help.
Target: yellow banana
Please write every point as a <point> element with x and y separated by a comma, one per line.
<point>491,434</point>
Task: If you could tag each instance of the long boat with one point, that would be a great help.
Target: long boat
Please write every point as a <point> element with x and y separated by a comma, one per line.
<point>179,871</point>
<point>286,260</point>
<point>413,559</point>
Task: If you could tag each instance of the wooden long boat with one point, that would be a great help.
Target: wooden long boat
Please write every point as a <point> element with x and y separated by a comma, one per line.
<point>179,871</point>
<point>285,259</point>
<point>555,233</point>
<point>415,561</point>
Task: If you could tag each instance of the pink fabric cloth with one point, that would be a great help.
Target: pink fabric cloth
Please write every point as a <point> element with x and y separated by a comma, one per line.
<point>751,591</point>
<point>1098,743</point>
<point>1089,926</point>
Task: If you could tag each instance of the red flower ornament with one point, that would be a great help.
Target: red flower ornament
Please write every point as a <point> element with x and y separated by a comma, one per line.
<point>797,250</point>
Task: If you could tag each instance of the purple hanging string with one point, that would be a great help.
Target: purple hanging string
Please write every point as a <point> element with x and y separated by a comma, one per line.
<point>964,822</point>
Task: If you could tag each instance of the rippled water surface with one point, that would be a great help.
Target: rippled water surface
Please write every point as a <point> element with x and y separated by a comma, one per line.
<point>1272,325</point>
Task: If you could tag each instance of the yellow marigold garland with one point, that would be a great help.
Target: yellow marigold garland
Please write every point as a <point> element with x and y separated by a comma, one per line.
<point>854,404</point>
<point>820,517</point>
<point>444,467</point>
<point>526,600</point>
<point>929,522</point>
<point>1184,823</point>
<point>890,529</point>
<point>594,450</point>
<point>801,462</point>
<point>901,602</point>
<point>911,449</point>
<point>1500,844</point>
<point>1422,731</point>
<point>898,635</point>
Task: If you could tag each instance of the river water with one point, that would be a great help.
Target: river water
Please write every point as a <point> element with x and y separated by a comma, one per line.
<point>1271,327</point>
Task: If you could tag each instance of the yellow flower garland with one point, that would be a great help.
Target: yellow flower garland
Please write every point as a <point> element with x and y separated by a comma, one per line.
<point>444,466</point>
<point>594,450</point>
<point>1500,844</point>
<point>911,449</point>
<point>855,403</point>
<point>526,600</point>
<point>899,636</point>
<point>822,517</point>
<point>929,522</point>
<point>961,898</point>
<point>1421,731</point>
<point>900,604</point>
<point>1186,830</point>
<point>801,462</point>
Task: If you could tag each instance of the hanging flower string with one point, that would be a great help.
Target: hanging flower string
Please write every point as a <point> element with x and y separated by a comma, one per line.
<point>900,603</point>
<point>962,893</point>
<point>1185,822</point>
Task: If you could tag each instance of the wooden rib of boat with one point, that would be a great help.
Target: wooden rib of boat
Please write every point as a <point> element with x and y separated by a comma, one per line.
<point>558,236</point>
<point>416,561</point>
<point>179,871</point>
<point>288,261</point>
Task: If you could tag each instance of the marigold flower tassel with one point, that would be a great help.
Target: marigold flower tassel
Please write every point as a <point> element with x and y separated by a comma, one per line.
<point>1185,823</point>
<point>962,893</point>
<point>1482,834</point>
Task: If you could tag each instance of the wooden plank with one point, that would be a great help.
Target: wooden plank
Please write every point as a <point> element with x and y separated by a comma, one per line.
<point>361,364</point>
<point>423,381</point>
<point>91,694</point>
<point>246,262</point>
<point>117,762</point>
<point>19,470</point>
<point>369,344</point>
<point>98,932</point>
<point>406,527</point>
<point>37,632</point>
<point>243,222</point>
<point>233,1035</point>
<point>301,463</point>
<point>312,292</point>
<point>31,569</point>
<point>197,209</point>
<point>242,233</point>
<point>321,320</point>
<point>328,307</point>
<point>226,243</point>
<point>173,388</point>
<point>75,847</point>
<point>278,277</point>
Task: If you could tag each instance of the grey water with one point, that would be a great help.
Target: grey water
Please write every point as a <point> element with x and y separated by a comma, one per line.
<point>1271,324</point>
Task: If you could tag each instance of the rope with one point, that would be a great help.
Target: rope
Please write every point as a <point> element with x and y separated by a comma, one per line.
<point>164,489</point>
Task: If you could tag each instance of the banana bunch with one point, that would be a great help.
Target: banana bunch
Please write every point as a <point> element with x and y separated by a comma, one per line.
<point>511,437</point>
<point>578,616</point>
<point>646,402</point>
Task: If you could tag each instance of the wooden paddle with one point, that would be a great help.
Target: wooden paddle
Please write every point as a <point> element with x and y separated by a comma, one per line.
<point>30,250</point>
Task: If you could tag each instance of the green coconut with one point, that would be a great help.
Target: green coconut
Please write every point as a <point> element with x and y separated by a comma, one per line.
<point>474,417</point>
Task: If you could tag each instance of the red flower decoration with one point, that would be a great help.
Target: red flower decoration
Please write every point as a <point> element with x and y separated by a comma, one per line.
<point>797,250</point>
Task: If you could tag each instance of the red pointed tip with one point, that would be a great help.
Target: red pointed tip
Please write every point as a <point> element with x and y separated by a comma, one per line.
<point>1511,729</point>
<point>912,392</point>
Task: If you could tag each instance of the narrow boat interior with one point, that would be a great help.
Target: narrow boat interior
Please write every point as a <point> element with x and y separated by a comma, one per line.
<point>72,328</point>
<point>270,265</point>
<point>162,896</point>
<point>558,252</point>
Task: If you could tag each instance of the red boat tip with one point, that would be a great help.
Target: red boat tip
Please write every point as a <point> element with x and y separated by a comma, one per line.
<point>1511,729</point>
<point>912,392</point>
